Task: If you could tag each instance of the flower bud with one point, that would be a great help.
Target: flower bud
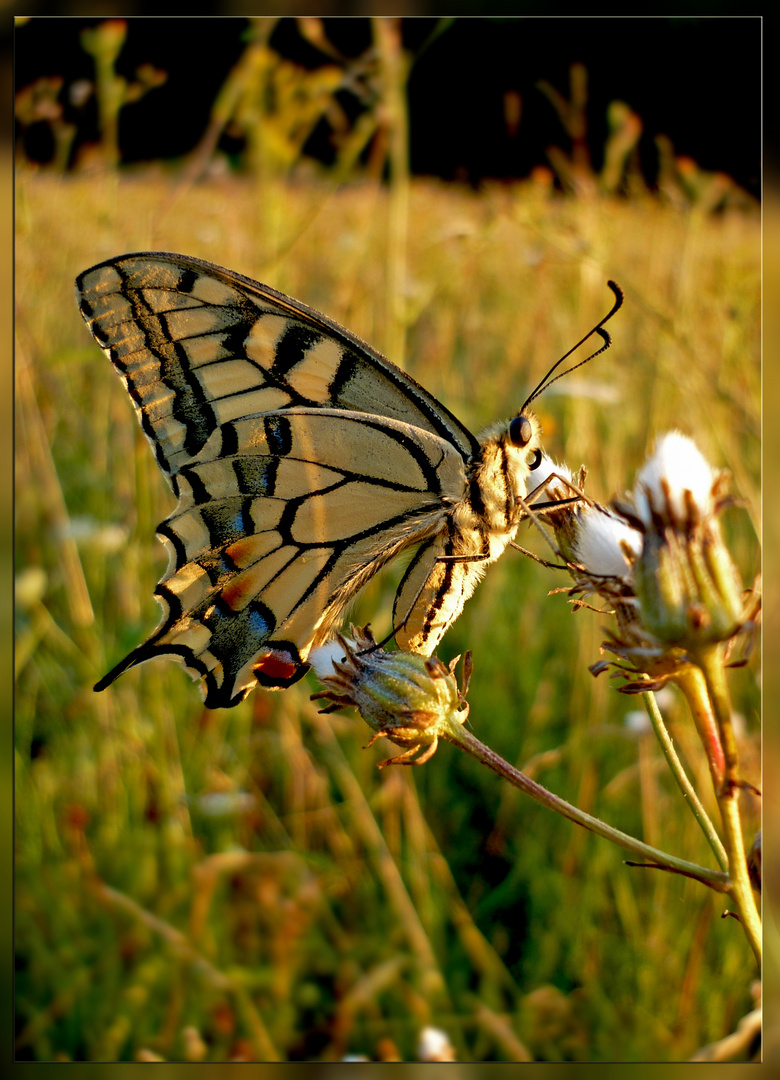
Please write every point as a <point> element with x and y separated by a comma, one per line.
<point>105,41</point>
<point>409,698</point>
<point>688,590</point>
<point>599,545</point>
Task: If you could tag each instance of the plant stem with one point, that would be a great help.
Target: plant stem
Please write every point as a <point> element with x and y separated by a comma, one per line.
<point>458,735</point>
<point>682,780</point>
<point>691,681</point>
<point>710,661</point>
<point>393,68</point>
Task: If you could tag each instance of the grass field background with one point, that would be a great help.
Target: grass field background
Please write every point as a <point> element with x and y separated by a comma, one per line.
<point>245,883</point>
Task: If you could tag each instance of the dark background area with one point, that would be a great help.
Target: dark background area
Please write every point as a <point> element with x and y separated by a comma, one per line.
<point>696,80</point>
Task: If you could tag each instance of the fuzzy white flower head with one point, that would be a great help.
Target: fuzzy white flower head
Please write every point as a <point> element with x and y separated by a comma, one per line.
<point>687,587</point>
<point>549,470</point>
<point>605,544</point>
<point>675,474</point>
<point>322,657</point>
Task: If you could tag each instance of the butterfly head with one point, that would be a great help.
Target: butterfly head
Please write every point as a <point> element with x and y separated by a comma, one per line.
<point>524,434</point>
<point>510,452</point>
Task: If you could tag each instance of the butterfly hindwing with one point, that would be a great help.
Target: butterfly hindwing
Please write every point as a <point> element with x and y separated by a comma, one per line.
<point>273,537</point>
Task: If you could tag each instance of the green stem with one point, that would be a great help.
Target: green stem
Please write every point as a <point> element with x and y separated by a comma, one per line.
<point>683,782</point>
<point>471,745</point>
<point>691,681</point>
<point>710,661</point>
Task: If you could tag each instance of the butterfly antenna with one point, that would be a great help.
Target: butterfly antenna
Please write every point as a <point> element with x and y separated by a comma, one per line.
<point>597,329</point>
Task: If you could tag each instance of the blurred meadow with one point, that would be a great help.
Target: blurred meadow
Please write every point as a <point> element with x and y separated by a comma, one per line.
<point>245,884</point>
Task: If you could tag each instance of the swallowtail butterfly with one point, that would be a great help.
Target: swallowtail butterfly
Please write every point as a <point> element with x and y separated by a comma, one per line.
<point>303,461</point>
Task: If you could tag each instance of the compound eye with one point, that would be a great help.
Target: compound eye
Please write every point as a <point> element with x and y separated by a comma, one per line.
<point>520,431</point>
<point>536,460</point>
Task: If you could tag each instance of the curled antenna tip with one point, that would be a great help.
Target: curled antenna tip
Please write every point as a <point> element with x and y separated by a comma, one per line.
<point>619,295</point>
<point>548,379</point>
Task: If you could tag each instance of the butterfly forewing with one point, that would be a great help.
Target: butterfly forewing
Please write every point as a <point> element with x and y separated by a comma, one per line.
<point>198,346</point>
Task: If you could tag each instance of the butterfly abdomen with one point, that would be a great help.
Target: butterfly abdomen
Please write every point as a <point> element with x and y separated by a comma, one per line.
<point>446,570</point>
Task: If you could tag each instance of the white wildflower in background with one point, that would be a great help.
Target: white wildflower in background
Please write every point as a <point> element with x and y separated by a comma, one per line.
<point>434,1045</point>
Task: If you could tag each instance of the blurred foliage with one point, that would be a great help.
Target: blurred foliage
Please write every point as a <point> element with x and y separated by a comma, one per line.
<point>42,101</point>
<point>104,44</point>
<point>269,107</point>
<point>244,884</point>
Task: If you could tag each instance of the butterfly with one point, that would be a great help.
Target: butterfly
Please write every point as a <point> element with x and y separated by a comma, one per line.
<point>303,461</point>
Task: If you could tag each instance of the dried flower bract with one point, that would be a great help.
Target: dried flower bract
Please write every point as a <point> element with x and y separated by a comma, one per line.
<point>412,700</point>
